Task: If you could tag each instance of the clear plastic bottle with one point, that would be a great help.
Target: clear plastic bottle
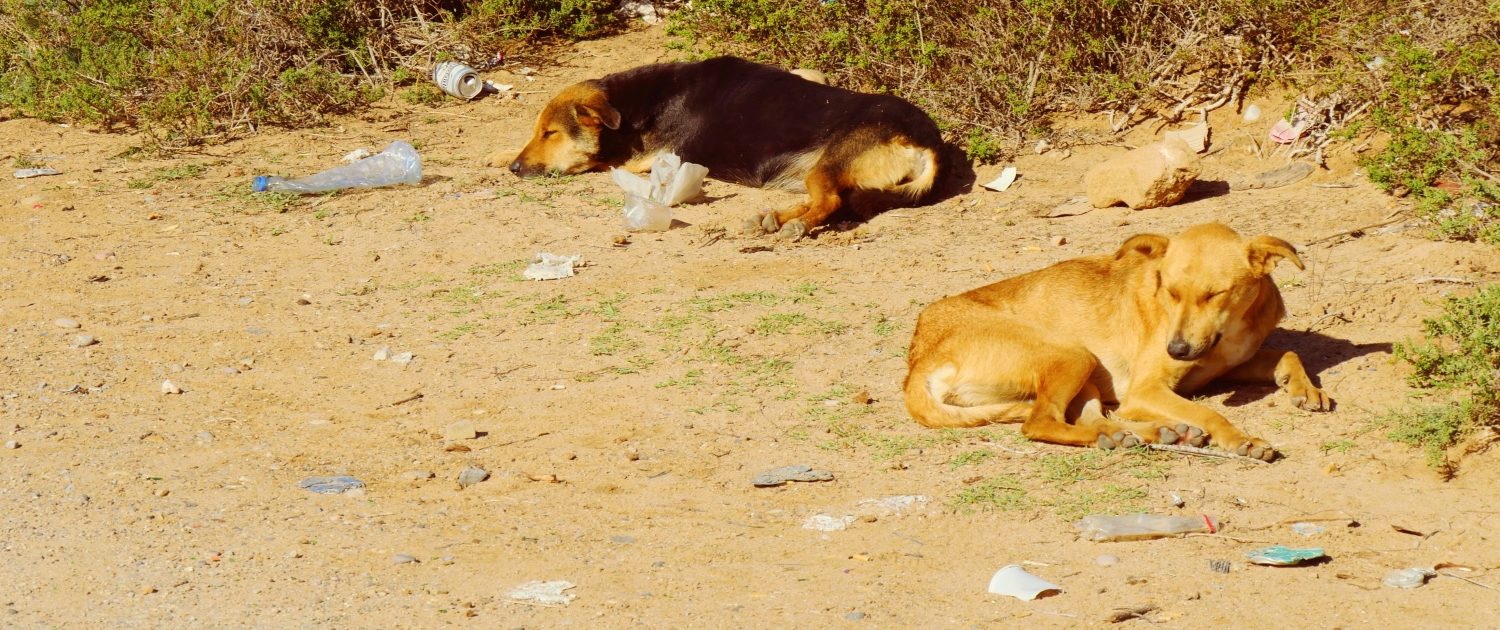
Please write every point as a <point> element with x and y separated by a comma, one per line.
<point>1142,526</point>
<point>397,164</point>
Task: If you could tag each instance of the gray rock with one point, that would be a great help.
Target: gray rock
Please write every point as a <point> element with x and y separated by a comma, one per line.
<point>64,322</point>
<point>622,540</point>
<point>204,437</point>
<point>471,476</point>
<point>420,475</point>
<point>402,558</point>
<point>12,445</point>
<point>84,341</point>
<point>855,616</point>
<point>784,474</point>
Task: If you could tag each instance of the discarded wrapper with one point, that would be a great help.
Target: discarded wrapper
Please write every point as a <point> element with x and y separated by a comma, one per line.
<point>36,172</point>
<point>549,266</point>
<point>1408,578</point>
<point>648,201</point>
<point>1003,182</point>
<point>1280,556</point>
<point>543,592</point>
<point>826,523</point>
<point>331,485</point>
<point>796,472</point>
<point>1014,581</point>
<point>1285,132</point>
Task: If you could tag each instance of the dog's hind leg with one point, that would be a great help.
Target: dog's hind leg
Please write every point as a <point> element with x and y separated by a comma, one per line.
<point>1062,378</point>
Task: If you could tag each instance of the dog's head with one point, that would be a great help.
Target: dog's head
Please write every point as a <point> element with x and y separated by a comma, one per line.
<point>1203,278</point>
<point>566,137</point>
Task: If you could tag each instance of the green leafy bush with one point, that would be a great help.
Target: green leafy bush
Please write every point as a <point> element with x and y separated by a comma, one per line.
<point>1460,353</point>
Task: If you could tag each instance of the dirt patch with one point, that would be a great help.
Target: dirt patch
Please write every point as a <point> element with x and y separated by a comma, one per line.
<point>622,413</point>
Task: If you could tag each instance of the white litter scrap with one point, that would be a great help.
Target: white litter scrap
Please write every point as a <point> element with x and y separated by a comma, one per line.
<point>826,523</point>
<point>648,202</point>
<point>543,592</point>
<point>1014,581</point>
<point>1003,182</point>
<point>549,266</point>
<point>26,173</point>
<point>356,155</point>
<point>893,505</point>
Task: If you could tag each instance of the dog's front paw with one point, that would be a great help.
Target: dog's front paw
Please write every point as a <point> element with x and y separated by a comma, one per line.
<point>1118,439</point>
<point>1182,434</point>
<point>1255,448</point>
<point>1307,397</point>
<point>793,230</point>
<point>768,222</point>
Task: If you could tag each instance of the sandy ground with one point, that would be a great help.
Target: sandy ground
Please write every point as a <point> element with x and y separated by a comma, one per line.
<point>623,412</point>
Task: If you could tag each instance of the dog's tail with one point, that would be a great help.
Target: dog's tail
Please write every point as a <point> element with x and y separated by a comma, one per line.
<point>927,393</point>
<point>922,173</point>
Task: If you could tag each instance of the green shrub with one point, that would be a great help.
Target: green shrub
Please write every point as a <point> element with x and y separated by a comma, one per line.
<point>1461,354</point>
<point>188,69</point>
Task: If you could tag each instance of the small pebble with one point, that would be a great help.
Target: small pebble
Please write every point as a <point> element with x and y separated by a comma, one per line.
<point>204,437</point>
<point>1106,560</point>
<point>403,359</point>
<point>855,616</point>
<point>622,540</point>
<point>461,430</point>
<point>1060,241</point>
<point>245,301</point>
<point>471,476</point>
<point>163,492</point>
<point>861,397</point>
<point>446,560</point>
<point>12,445</point>
<point>229,370</point>
<point>84,341</point>
<point>168,387</point>
<point>402,558</point>
<point>304,300</point>
<point>64,322</point>
<point>420,475</point>
<point>103,255</point>
<point>382,354</point>
<point>631,455</point>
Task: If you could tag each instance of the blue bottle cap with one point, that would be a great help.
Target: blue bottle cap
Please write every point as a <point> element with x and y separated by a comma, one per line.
<point>259,183</point>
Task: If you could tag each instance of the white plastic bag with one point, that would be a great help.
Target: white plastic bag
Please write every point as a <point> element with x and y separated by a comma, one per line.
<point>648,202</point>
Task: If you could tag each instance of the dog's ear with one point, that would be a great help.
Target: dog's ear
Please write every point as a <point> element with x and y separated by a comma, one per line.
<point>594,111</point>
<point>1148,245</point>
<point>1266,251</point>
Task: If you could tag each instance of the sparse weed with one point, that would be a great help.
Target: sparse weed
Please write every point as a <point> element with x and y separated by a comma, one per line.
<point>1005,493</point>
<point>1461,355</point>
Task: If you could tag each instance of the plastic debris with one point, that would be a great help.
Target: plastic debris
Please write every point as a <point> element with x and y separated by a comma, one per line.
<point>1308,529</point>
<point>1287,131</point>
<point>1003,182</point>
<point>36,172</point>
<point>1102,528</point>
<point>1408,578</point>
<point>1220,566</point>
<point>1014,581</point>
<point>355,155</point>
<point>549,266</point>
<point>543,592</point>
<point>1281,556</point>
<point>471,476</point>
<point>780,476</point>
<point>826,523</point>
<point>1252,113</point>
<point>331,485</point>
<point>397,164</point>
<point>648,202</point>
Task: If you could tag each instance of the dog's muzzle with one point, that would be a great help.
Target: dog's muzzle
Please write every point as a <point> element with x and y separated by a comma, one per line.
<point>1181,350</point>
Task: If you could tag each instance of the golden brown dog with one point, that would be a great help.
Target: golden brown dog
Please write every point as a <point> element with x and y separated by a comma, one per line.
<point>750,124</point>
<point>1130,332</point>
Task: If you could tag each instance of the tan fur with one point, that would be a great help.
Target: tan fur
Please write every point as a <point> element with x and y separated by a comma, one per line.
<point>901,168</point>
<point>565,138</point>
<point>1094,333</point>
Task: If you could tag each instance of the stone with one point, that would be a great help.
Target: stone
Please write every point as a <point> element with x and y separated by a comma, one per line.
<point>461,430</point>
<point>65,322</point>
<point>168,387</point>
<point>1194,136</point>
<point>403,558</point>
<point>84,341</point>
<point>471,476</point>
<point>1152,176</point>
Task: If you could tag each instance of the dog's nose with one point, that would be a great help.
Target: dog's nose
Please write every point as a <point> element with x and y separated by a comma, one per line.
<point>515,167</point>
<point>1179,349</point>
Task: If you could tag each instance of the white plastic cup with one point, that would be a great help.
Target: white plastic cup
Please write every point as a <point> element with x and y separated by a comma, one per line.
<point>457,79</point>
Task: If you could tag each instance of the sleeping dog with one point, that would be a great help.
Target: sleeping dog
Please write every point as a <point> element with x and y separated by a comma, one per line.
<point>750,124</point>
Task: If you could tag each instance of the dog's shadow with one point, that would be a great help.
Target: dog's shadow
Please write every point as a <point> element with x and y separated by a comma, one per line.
<point>1318,352</point>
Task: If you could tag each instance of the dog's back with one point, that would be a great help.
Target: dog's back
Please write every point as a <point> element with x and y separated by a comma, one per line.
<point>758,125</point>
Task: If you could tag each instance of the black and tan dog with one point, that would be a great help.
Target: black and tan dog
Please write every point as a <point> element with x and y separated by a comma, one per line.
<point>748,123</point>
